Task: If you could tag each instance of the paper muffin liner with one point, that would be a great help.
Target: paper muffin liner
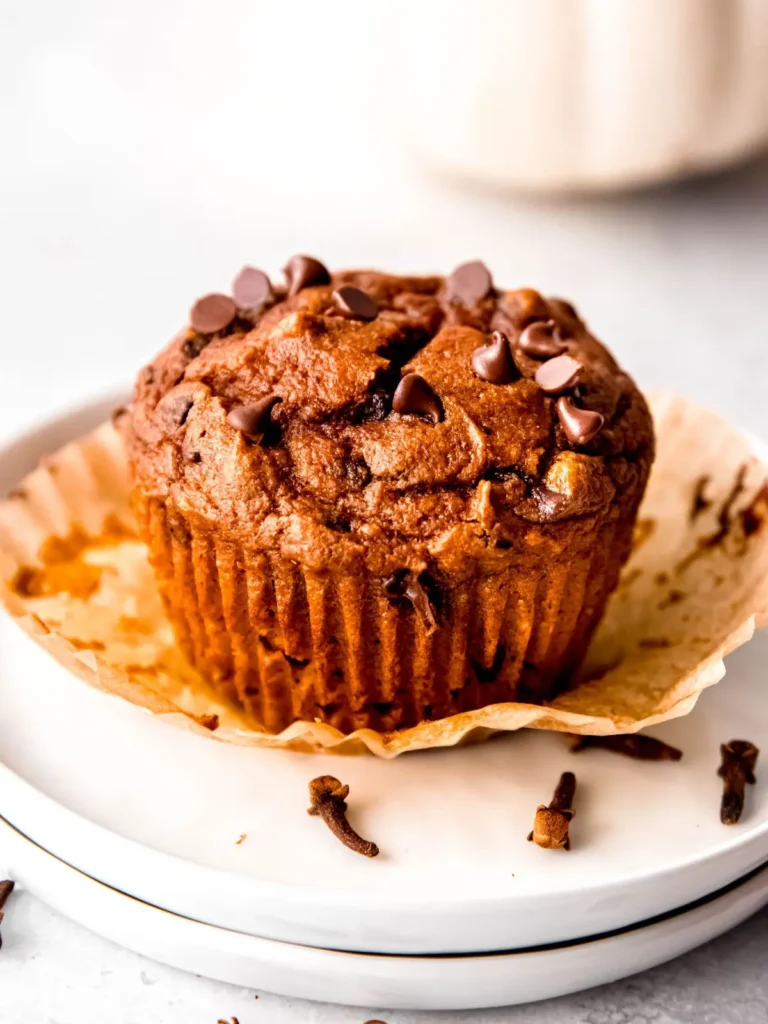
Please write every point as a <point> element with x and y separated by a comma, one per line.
<point>294,644</point>
<point>78,580</point>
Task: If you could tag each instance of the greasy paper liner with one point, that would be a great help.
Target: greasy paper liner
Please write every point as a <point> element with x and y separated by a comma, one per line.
<point>79,582</point>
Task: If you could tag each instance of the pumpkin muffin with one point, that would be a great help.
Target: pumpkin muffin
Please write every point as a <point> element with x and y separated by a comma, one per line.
<point>374,500</point>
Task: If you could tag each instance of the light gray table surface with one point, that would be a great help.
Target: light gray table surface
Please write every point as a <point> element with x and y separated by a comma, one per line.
<point>52,972</point>
<point>112,221</point>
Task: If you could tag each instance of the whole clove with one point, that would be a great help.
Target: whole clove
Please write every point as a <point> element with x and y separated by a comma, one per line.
<point>328,800</point>
<point>642,748</point>
<point>551,824</point>
<point>6,888</point>
<point>739,758</point>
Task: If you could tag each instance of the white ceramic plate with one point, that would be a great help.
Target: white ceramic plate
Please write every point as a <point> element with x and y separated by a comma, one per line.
<point>395,982</point>
<point>156,812</point>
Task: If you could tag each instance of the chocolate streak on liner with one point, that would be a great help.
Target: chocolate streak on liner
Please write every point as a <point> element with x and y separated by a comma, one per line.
<point>699,503</point>
<point>754,516</point>
<point>725,522</point>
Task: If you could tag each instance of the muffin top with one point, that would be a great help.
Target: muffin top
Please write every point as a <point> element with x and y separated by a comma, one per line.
<point>406,420</point>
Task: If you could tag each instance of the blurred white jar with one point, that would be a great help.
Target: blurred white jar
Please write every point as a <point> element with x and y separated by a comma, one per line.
<point>563,95</point>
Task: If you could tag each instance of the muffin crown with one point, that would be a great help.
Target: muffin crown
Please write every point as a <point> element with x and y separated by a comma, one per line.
<point>362,413</point>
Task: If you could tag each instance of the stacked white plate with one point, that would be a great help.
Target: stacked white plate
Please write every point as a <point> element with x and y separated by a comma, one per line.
<point>134,828</point>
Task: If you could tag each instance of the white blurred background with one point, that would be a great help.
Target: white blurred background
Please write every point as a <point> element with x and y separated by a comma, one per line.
<point>150,149</point>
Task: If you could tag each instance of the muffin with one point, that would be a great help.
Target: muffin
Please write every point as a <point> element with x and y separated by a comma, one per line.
<point>373,500</point>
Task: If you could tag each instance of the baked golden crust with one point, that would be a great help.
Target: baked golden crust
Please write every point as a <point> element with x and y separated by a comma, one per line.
<point>272,446</point>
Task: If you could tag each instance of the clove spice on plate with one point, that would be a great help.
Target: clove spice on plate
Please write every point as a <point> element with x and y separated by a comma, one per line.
<point>642,748</point>
<point>328,800</point>
<point>739,758</point>
<point>552,821</point>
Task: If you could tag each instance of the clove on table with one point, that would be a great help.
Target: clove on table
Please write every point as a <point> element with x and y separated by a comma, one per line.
<point>328,800</point>
<point>739,758</point>
<point>552,821</point>
<point>6,888</point>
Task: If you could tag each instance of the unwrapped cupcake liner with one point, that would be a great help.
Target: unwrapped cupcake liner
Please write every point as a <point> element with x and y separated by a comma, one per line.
<point>294,644</point>
<point>79,581</point>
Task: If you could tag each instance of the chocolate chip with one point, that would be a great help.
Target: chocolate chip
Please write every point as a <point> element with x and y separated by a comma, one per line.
<point>355,303</point>
<point>494,362</point>
<point>178,527</point>
<point>304,272</point>
<point>406,585</point>
<point>194,345</point>
<point>549,503</point>
<point>357,473</point>
<point>489,675</point>
<point>501,473</point>
<point>376,407</point>
<point>580,425</point>
<point>251,288</point>
<point>414,396</point>
<point>338,524</point>
<point>539,340</point>
<point>175,408</point>
<point>558,374</point>
<point>470,282</point>
<point>254,420</point>
<point>565,307</point>
<point>208,722</point>
<point>212,313</point>
<point>394,585</point>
